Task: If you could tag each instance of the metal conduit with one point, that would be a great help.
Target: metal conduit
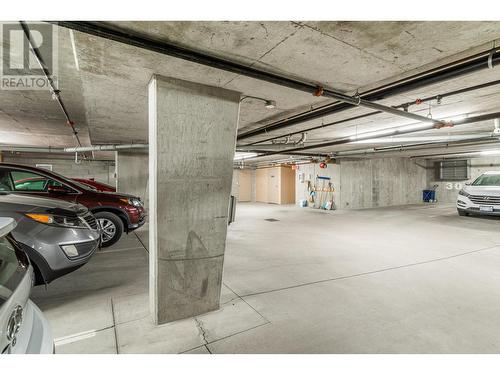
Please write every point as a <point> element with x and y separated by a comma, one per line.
<point>169,49</point>
<point>383,133</point>
<point>418,146</point>
<point>485,60</point>
<point>107,147</point>
<point>464,66</point>
<point>48,75</point>
<point>403,105</point>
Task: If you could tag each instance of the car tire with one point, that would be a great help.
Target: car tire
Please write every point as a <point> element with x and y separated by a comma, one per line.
<point>112,227</point>
<point>462,213</point>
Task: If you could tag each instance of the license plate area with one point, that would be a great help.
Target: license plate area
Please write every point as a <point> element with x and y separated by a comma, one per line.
<point>486,208</point>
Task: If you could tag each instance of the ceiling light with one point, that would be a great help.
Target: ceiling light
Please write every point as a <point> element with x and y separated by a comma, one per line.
<point>421,125</point>
<point>457,118</point>
<point>490,152</point>
<point>73,46</point>
<point>270,104</point>
<point>244,155</point>
<point>374,134</point>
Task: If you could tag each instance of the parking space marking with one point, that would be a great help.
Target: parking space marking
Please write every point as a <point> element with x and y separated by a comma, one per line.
<point>75,337</point>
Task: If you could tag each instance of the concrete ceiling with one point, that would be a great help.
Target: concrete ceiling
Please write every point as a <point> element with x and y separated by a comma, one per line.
<point>104,83</point>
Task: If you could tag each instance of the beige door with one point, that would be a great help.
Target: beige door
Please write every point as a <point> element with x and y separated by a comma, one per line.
<point>245,185</point>
<point>261,183</point>
<point>273,186</point>
<point>287,185</point>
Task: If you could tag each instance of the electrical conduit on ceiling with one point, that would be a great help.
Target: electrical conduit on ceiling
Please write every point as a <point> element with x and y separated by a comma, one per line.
<point>56,94</point>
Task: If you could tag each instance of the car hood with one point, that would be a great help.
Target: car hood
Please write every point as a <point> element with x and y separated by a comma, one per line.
<point>493,191</point>
<point>31,203</point>
<point>111,194</point>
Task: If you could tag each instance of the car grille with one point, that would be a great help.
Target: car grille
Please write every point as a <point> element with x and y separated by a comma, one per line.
<point>91,221</point>
<point>485,199</point>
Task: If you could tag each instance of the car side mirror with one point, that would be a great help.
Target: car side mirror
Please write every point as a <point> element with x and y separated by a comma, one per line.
<point>467,183</point>
<point>57,189</point>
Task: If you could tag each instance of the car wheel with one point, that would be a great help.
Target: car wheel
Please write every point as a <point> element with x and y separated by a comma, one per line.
<point>462,213</point>
<point>111,226</point>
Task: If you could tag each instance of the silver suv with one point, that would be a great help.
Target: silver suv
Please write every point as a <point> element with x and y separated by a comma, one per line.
<point>482,197</point>
<point>23,328</point>
<point>58,236</point>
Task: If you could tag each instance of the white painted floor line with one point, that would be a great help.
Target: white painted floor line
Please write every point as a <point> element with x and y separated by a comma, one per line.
<point>74,338</point>
<point>119,250</point>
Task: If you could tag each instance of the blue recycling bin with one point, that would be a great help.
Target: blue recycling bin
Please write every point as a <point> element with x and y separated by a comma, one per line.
<point>429,195</point>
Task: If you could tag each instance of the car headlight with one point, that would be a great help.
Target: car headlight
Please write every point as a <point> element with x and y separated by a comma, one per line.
<point>133,201</point>
<point>464,193</point>
<point>58,220</point>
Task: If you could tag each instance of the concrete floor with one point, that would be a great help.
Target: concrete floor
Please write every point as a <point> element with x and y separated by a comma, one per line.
<point>411,279</point>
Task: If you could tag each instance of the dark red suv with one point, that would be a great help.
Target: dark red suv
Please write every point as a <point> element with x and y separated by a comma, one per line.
<point>115,212</point>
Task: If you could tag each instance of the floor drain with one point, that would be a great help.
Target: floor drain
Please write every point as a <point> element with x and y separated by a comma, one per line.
<point>271,220</point>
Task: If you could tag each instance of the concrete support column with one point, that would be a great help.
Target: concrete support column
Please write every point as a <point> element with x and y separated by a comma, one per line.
<point>192,136</point>
<point>132,172</point>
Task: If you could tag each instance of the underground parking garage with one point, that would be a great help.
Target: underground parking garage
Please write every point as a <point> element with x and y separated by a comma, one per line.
<point>259,187</point>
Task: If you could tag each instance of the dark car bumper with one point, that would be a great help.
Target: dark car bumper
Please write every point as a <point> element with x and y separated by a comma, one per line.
<point>49,272</point>
<point>476,211</point>
<point>136,219</point>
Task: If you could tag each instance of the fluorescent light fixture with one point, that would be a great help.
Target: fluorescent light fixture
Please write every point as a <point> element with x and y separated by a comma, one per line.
<point>244,155</point>
<point>73,46</point>
<point>421,125</point>
<point>392,131</point>
<point>456,118</point>
<point>490,152</point>
<point>377,133</point>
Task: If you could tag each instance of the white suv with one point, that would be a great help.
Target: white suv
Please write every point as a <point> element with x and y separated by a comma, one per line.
<point>481,197</point>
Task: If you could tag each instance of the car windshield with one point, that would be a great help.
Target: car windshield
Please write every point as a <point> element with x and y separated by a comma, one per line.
<point>84,185</point>
<point>79,184</point>
<point>487,180</point>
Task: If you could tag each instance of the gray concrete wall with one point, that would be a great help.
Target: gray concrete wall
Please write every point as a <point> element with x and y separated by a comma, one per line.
<point>103,171</point>
<point>381,182</point>
<point>310,172</point>
<point>369,183</point>
<point>447,191</point>
<point>132,170</point>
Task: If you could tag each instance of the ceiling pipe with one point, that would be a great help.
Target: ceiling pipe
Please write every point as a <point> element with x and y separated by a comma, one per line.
<point>146,146</point>
<point>385,133</point>
<point>273,147</point>
<point>403,105</point>
<point>49,149</point>
<point>470,153</point>
<point>473,141</point>
<point>394,140</point>
<point>471,64</point>
<point>107,147</point>
<point>10,148</point>
<point>284,161</point>
<point>301,141</point>
<point>56,93</point>
<point>169,49</point>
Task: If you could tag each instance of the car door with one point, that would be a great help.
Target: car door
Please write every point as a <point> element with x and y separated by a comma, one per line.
<point>15,287</point>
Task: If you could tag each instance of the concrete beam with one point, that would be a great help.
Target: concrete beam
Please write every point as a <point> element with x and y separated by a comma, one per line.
<point>192,138</point>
